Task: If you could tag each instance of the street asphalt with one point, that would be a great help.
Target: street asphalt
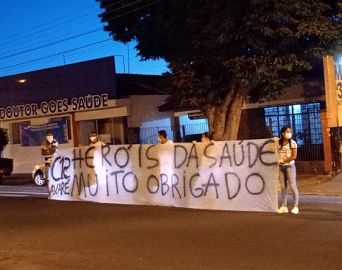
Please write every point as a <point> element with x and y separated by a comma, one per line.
<point>44,234</point>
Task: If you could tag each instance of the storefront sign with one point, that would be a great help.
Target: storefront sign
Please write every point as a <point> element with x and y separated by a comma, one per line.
<point>55,106</point>
<point>234,175</point>
<point>35,135</point>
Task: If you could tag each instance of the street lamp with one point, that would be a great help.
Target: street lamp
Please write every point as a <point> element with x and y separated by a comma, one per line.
<point>21,81</point>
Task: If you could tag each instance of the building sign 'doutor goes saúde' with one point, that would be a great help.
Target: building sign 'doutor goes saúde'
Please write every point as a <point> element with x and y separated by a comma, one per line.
<point>88,102</point>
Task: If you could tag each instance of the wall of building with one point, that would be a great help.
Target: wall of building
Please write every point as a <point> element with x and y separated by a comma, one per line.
<point>26,157</point>
<point>144,112</point>
<point>65,82</point>
<point>144,118</point>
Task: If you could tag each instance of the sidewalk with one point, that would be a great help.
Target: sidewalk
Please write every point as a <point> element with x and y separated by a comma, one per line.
<point>320,185</point>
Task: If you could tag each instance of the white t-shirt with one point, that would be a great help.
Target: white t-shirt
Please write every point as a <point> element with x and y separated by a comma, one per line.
<point>98,144</point>
<point>285,152</point>
<point>168,142</point>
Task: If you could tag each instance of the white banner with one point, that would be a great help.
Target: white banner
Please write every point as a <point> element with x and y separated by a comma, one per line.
<point>233,175</point>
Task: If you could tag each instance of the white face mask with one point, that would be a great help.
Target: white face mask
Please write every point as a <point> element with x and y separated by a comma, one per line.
<point>49,139</point>
<point>92,138</point>
<point>288,135</point>
<point>159,140</point>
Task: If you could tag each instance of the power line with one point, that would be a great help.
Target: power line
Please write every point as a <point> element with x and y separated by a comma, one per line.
<point>105,55</point>
<point>39,65</point>
<point>55,54</point>
<point>52,43</point>
<point>37,42</point>
<point>69,59</point>
<point>129,12</point>
<point>169,19</point>
<point>59,53</point>
<point>117,9</point>
<point>43,25</point>
<point>92,49</point>
<point>117,3</point>
<point>76,36</point>
<point>47,28</point>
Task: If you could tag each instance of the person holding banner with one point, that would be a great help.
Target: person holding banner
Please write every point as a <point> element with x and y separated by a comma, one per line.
<point>94,139</point>
<point>96,143</point>
<point>287,169</point>
<point>207,137</point>
<point>162,138</point>
<point>48,149</point>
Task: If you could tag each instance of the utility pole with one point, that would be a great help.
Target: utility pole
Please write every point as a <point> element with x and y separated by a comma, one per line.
<point>128,57</point>
<point>333,100</point>
<point>338,66</point>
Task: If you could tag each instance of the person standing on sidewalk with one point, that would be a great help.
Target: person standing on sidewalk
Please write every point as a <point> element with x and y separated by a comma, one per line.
<point>93,169</point>
<point>48,150</point>
<point>162,138</point>
<point>94,139</point>
<point>207,137</point>
<point>287,169</point>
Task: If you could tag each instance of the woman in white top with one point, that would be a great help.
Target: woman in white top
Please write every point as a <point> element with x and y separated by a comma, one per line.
<point>287,169</point>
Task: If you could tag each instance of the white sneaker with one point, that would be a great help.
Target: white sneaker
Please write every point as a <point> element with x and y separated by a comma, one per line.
<point>295,210</point>
<point>283,210</point>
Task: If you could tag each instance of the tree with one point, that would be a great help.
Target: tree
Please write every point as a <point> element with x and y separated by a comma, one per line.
<point>223,52</point>
<point>3,139</point>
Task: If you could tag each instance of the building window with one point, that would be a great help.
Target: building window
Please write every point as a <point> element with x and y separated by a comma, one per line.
<point>191,126</point>
<point>15,134</point>
<point>68,127</point>
<point>304,119</point>
<point>110,130</point>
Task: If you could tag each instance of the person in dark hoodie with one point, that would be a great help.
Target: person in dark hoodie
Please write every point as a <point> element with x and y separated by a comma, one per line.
<point>48,149</point>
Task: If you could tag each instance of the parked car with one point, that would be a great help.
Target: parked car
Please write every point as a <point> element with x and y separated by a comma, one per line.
<point>38,174</point>
<point>6,166</point>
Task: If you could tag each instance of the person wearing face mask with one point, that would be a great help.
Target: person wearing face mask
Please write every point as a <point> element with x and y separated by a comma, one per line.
<point>93,168</point>
<point>162,138</point>
<point>287,169</point>
<point>48,149</point>
<point>94,139</point>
